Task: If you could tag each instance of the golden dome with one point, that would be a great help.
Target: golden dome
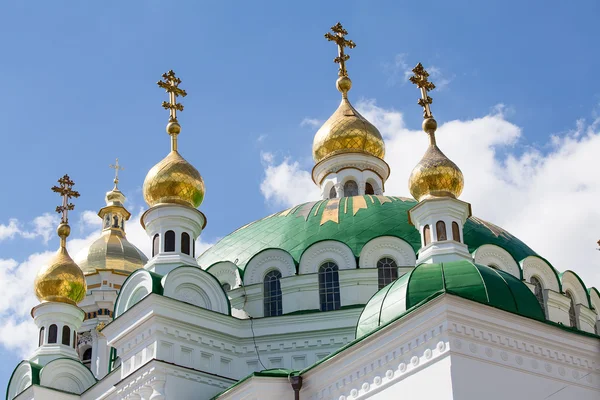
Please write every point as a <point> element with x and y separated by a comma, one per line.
<point>112,250</point>
<point>61,280</point>
<point>346,131</point>
<point>435,175</point>
<point>174,180</point>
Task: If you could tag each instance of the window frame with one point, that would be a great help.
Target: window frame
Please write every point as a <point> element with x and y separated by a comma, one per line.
<point>329,287</point>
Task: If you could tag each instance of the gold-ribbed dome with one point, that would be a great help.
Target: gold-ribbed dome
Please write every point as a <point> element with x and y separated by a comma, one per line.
<point>174,180</point>
<point>346,131</point>
<point>112,250</point>
<point>61,280</point>
<point>435,175</point>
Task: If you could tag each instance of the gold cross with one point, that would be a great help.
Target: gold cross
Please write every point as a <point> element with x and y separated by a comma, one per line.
<point>65,190</point>
<point>420,79</point>
<point>171,85</point>
<point>117,168</point>
<point>339,38</point>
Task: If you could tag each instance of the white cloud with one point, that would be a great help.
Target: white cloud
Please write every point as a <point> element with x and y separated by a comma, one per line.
<point>287,183</point>
<point>311,122</point>
<point>42,226</point>
<point>546,198</point>
<point>262,138</point>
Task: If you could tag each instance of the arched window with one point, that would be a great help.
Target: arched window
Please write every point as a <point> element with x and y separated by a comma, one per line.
<point>169,241</point>
<point>332,193</point>
<point>52,334</point>
<point>572,313</point>
<point>427,234</point>
<point>350,189</point>
<point>41,341</point>
<point>329,287</point>
<point>226,287</point>
<point>369,188</point>
<point>538,290</point>
<point>387,271</point>
<point>155,244</point>
<point>185,243</point>
<point>272,294</point>
<point>87,356</point>
<point>440,228</point>
<point>66,335</point>
<point>455,232</point>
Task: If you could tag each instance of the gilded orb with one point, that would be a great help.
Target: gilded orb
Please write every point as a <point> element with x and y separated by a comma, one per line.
<point>61,280</point>
<point>346,131</point>
<point>435,176</point>
<point>343,84</point>
<point>173,180</point>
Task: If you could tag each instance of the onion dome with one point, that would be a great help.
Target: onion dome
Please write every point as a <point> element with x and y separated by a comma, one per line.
<point>460,278</point>
<point>61,280</point>
<point>173,180</point>
<point>112,250</point>
<point>435,175</point>
<point>346,131</point>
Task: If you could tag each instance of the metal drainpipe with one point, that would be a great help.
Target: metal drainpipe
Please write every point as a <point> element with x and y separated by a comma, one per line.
<point>296,382</point>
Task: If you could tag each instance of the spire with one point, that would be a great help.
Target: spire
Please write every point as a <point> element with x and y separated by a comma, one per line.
<point>339,37</point>
<point>171,85</point>
<point>117,168</point>
<point>65,189</point>
<point>435,175</point>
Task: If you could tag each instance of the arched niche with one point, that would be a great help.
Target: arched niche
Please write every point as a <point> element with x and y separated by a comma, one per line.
<point>495,256</point>
<point>196,286</point>
<point>266,260</point>
<point>571,282</point>
<point>226,272</point>
<point>22,377</point>
<point>387,246</point>
<point>326,251</point>
<point>595,300</point>
<point>137,286</point>
<point>67,375</point>
<point>533,266</point>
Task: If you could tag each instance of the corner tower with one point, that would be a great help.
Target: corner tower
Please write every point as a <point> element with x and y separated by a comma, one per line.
<point>436,182</point>
<point>173,189</point>
<point>348,150</point>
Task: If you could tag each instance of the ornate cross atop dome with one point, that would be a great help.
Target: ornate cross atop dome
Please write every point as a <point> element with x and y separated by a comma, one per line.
<point>339,38</point>
<point>420,79</point>
<point>171,86</point>
<point>65,190</point>
<point>117,167</point>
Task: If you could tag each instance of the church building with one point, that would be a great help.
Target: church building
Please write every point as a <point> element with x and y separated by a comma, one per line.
<point>358,294</point>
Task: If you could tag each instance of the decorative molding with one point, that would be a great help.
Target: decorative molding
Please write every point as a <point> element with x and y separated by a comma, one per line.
<point>226,272</point>
<point>571,283</point>
<point>326,251</point>
<point>492,255</point>
<point>196,286</point>
<point>387,246</point>
<point>535,266</point>
<point>266,260</point>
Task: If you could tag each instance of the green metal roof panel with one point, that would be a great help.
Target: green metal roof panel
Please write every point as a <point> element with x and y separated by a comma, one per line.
<point>462,278</point>
<point>425,280</point>
<point>359,220</point>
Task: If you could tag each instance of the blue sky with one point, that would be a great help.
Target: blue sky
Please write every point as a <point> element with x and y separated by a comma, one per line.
<point>78,83</point>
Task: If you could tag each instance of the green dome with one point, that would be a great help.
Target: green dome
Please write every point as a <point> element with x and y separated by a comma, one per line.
<point>461,278</point>
<point>351,220</point>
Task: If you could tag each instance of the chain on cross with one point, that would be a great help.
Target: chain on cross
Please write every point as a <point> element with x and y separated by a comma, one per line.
<point>117,168</point>
<point>65,189</point>
<point>420,79</point>
<point>338,36</point>
<point>171,85</point>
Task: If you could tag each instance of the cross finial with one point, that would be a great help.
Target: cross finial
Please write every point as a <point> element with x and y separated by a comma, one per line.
<point>64,188</point>
<point>117,168</point>
<point>338,36</point>
<point>171,85</point>
<point>420,79</point>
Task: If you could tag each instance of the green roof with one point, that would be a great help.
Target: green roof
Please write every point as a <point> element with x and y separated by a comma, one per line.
<point>462,278</point>
<point>356,221</point>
